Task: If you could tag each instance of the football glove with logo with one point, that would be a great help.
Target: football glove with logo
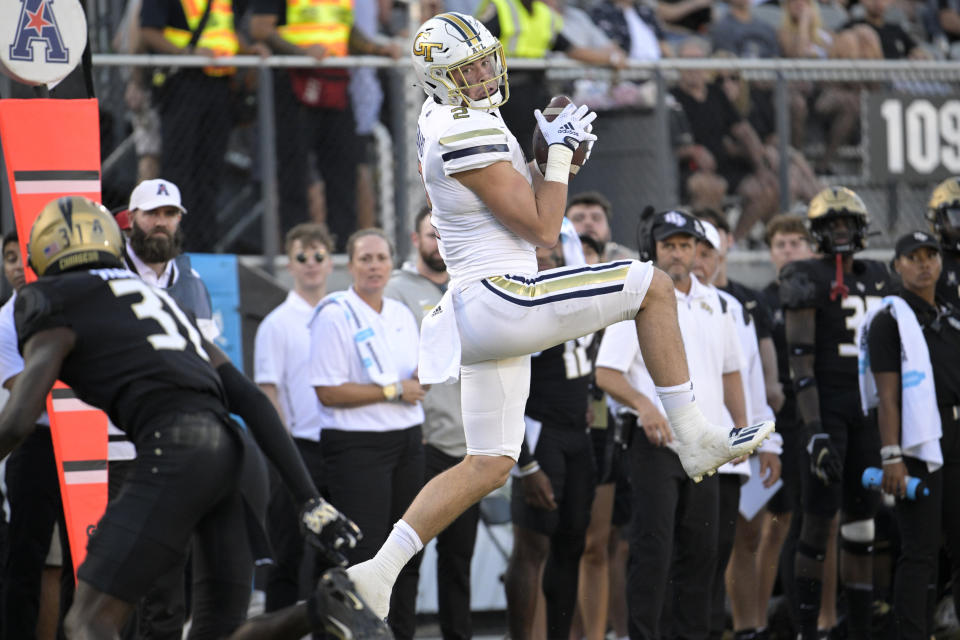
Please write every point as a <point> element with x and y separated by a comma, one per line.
<point>824,459</point>
<point>328,530</point>
<point>570,128</point>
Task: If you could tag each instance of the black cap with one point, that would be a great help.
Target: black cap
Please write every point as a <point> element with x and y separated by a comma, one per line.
<point>671,223</point>
<point>910,242</point>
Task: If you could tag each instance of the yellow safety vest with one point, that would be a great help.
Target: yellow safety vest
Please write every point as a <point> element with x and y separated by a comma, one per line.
<point>218,34</point>
<point>525,34</point>
<point>326,22</point>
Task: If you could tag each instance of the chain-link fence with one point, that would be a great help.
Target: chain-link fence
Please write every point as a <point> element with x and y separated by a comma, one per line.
<point>253,159</point>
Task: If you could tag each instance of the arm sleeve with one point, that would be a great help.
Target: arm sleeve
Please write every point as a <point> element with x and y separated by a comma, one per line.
<point>330,349</point>
<point>247,401</point>
<point>883,343</point>
<point>35,310</point>
<point>268,352</point>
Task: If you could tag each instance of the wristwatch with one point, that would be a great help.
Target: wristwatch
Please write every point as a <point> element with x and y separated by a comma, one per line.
<point>392,392</point>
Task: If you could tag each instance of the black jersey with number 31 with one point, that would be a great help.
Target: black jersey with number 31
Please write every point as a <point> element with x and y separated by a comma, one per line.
<point>137,355</point>
<point>806,284</point>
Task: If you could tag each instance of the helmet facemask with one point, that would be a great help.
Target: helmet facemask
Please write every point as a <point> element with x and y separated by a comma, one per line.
<point>461,75</point>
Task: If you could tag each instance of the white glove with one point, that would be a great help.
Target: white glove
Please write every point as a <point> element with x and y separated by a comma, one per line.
<point>570,128</point>
<point>589,143</point>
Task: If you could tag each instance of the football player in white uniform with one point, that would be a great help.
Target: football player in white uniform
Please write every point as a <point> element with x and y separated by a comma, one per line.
<point>490,210</point>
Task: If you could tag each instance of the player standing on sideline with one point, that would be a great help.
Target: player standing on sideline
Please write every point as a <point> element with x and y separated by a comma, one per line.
<point>825,301</point>
<point>129,349</point>
<point>943,214</point>
<point>490,210</point>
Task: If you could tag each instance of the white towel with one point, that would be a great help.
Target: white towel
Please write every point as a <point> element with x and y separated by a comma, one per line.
<point>921,429</point>
<point>367,337</point>
<point>440,347</point>
<point>572,247</point>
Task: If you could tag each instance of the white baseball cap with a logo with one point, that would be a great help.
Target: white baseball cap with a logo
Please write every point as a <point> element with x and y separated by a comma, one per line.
<point>153,194</point>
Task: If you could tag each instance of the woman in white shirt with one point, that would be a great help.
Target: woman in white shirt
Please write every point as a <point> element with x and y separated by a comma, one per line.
<point>363,350</point>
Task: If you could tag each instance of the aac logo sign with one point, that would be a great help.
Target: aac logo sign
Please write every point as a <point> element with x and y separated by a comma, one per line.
<point>41,41</point>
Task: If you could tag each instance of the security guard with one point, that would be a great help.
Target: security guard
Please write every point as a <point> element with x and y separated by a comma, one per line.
<point>313,105</point>
<point>531,29</point>
<point>943,214</point>
<point>917,332</point>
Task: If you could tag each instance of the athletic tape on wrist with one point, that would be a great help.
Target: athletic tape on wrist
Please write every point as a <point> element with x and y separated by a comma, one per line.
<point>559,157</point>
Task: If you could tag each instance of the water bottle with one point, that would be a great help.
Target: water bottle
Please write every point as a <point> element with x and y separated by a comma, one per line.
<point>916,488</point>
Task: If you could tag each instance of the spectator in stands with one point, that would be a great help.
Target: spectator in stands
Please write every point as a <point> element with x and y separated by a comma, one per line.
<point>744,35</point>
<point>633,26</point>
<point>551,500</point>
<point>949,19</point>
<point>194,103</point>
<point>363,352</point>
<point>740,157</point>
<point>894,40</point>
<point>590,213</point>
<point>685,17</point>
<point>534,32</point>
<point>700,186</point>
<point>756,105</point>
<point>313,110</point>
<point>281,355</point>
<point>420,284</point>
<point>801,33</point>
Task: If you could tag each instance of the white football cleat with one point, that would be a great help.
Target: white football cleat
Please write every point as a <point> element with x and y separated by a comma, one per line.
<point>370,586</point>
<point>715,446</point>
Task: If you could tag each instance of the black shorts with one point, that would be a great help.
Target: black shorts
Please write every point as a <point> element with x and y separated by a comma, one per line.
<point>857,441</point>
<point>566,456</point>
<point>185,480</point>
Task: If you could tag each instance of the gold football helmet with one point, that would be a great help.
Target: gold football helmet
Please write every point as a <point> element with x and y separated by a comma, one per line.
<point>943,213</point>
<point>72,232</point>
<point>829,205</point>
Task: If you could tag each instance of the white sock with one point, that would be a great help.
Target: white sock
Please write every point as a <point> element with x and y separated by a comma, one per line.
<point>676,396</point>
<point>402,544</point>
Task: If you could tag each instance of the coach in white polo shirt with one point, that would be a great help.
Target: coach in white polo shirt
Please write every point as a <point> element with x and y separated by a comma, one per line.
<point>281,360</point>
<point>673,534</point>
<point>363,352</point>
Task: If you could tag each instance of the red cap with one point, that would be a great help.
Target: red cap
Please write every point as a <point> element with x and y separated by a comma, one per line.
<point>123,219</point>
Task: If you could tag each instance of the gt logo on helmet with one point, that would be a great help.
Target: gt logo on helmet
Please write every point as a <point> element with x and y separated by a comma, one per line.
<point>424,49</point>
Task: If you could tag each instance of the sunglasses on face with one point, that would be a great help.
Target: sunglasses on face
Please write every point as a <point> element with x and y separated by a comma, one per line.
<point>318,256</point>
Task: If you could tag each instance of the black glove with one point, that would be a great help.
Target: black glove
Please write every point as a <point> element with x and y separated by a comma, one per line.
<point>328,530</point>
<point>825,462</point>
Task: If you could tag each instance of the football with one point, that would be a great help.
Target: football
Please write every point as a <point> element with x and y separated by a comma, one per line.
<point>540,147</point>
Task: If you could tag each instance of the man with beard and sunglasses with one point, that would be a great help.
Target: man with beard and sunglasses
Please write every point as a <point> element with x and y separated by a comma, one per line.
<point>420,284</point>
<point>153,250</point>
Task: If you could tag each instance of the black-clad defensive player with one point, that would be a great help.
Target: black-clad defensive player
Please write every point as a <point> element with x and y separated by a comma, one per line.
<point>127,348</point>
<point>825,300</point>
<point>943,214</point>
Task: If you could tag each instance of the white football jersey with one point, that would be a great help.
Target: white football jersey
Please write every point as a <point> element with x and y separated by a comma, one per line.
<point>472,242</point>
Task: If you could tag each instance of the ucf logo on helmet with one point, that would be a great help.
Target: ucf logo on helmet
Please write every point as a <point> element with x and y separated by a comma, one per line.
<point>41,40</point>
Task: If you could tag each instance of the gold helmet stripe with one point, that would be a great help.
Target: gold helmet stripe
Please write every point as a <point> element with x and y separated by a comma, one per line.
<point>468,32</point>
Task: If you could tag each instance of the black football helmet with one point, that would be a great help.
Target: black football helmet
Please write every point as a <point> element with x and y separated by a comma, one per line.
<point>943,214</point>
<point>830,205</point>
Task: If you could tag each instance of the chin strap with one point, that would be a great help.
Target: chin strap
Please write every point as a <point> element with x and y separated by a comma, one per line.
<point>839,289</point>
